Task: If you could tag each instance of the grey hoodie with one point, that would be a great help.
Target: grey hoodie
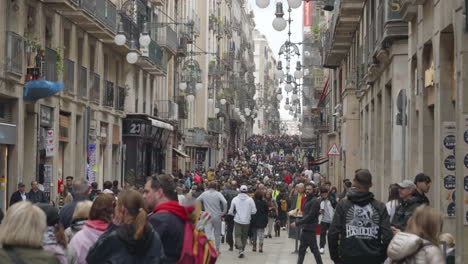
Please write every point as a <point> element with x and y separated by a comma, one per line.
<point>244,208</point>
<point>214,202</point>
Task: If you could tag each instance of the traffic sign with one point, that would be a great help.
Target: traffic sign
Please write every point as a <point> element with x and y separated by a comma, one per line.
<point>333,151</point>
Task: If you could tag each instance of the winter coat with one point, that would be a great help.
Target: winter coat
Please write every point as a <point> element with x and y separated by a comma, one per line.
<point>85,239</point>
<point>260,218</point>
<point>16,197</point>
<point>404,211</point>
<point>360,231</point>
<point>421,197</point>
<point>28,255</point>
<point>242,208</point>
<point>311,213</point>
<point>119,246</point>
<point>49,243</point>
<point>406,248</point>
<point>37,197</point>
<point>76,226</point>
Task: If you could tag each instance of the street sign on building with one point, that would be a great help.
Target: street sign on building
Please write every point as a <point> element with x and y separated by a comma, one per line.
<point>333,151</point>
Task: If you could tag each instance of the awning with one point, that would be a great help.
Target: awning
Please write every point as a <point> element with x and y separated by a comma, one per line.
<point>161,124</point>
<point>37,89</point>
<point>180,153</point>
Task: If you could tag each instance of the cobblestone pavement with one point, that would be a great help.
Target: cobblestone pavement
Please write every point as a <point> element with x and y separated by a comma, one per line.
<point>275,250</point>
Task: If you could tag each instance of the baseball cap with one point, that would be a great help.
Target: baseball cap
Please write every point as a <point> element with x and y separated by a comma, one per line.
<point>406,184</point>
<point>243,188</point>
<point>21,184</point>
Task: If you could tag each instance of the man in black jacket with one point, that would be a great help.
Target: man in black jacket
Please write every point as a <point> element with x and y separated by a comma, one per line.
<point>20,195</point>
<point>407,206</point>
<point>229,195</point>
<point>423,185</point>
<point>168,217</point>
<point>309,226</point>
<point>360,231</point>
<point>36,195</point>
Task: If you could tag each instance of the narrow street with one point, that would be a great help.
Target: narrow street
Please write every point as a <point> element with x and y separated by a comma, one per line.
<point>276,251</point>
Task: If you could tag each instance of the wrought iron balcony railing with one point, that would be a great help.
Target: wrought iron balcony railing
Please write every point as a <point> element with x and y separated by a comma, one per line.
<point>69,76</point>
<point>14,53</point>
<point>83,82</point>
<point>50,67</point>
<point>120,99</point>
<point>108,99</point>
<point>95,88</point>
<point>168,39</point>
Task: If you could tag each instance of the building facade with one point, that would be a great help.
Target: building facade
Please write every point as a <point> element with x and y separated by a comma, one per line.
<point>396,98</point>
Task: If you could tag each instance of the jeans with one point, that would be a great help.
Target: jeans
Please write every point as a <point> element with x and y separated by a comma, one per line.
<point>271,223</point>
<point>213,228</point>
<point>241,232</point>
<point>308,240</point>
<point>323,233</point>
<point>258,233</point>
<point>230,230</point>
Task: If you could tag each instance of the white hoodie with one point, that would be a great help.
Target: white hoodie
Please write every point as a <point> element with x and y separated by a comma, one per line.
<point>244,208</point>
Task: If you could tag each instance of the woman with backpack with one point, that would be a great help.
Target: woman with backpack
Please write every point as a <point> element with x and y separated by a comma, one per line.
<point>420,243</point>
<point>134,240</point>
<point>259,221</point>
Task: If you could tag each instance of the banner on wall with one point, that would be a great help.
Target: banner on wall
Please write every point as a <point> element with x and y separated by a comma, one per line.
<point>448,168</point>
<point>92,168</point>
<point>47,177</point>
<point>307,29</point>
<point>49,143</point>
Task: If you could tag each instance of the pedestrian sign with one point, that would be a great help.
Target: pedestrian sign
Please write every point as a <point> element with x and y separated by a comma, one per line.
<point>333,151</point>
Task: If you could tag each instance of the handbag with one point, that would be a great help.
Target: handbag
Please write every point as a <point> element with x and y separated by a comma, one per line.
<point>272,213</point>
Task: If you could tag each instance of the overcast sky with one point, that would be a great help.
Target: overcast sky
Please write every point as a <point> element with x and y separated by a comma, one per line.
<point>263,20</point>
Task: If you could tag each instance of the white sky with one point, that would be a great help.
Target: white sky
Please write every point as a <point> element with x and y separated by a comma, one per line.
<point>263,20</point>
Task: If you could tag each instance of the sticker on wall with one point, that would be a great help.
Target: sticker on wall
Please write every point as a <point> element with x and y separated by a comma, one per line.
<point>451,209</point>
<point>449,142</point>
<point>449,163</point>
<point>449,182</point>
<point>466,183</point>
<point>465,136</point>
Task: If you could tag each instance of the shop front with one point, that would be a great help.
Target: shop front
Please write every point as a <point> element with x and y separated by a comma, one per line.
<point>7,142</point>
<point>145,139</point>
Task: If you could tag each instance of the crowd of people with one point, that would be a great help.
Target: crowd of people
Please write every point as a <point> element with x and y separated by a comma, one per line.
<point>259,191</point>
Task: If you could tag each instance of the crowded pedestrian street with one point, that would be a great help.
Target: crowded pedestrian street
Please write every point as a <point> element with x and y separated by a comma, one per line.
<point>233,131</point>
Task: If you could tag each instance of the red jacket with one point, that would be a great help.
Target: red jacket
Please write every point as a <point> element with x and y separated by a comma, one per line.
<point>287,179</point>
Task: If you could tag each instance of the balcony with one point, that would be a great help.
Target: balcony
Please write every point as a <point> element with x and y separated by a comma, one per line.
<point>214,125</point>
<point>83,82</point>
<point>182,50</point>
<point>168,39</point>
<point>120,99</point>
<point>68,76</point>
<point>108,99</point>
<point>153,59</point>
<point>228,60</point>
<point>98,17</point>
<point>95,88</point>
<point>195,136</point>
<point>166,109</point>
<point>337,41</point>
<point>14,54</point>
<point>182,107</point>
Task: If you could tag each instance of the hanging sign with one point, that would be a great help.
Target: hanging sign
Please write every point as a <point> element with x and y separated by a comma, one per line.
<point>49,143</point>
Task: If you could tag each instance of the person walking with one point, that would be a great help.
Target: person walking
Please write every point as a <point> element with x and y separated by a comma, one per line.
<point>393,200</point>
<point>215,205</point>
<point>327,211</point>
<point>54,239</point>
<point>21,234</point>
<point>229,219</point>
<point>36,195</point>
<point>242,208</point>
<point>168,217</point>
<point>99,218</point>
<point>259,221</point>
<point>272,211</point>
<point>81,193</point>
<point>134,240</point>
<point>423,185</point>
<point>407,206</point>
<point>420,243</point>
<point>309,224</point>
<point>20,195</point>
<point>360,231</point>
<point>80,216</point>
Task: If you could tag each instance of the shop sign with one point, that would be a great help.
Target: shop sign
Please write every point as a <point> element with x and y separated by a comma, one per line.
<point>47,116</point>
<point>50,143</point>
<point>7,134</point>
